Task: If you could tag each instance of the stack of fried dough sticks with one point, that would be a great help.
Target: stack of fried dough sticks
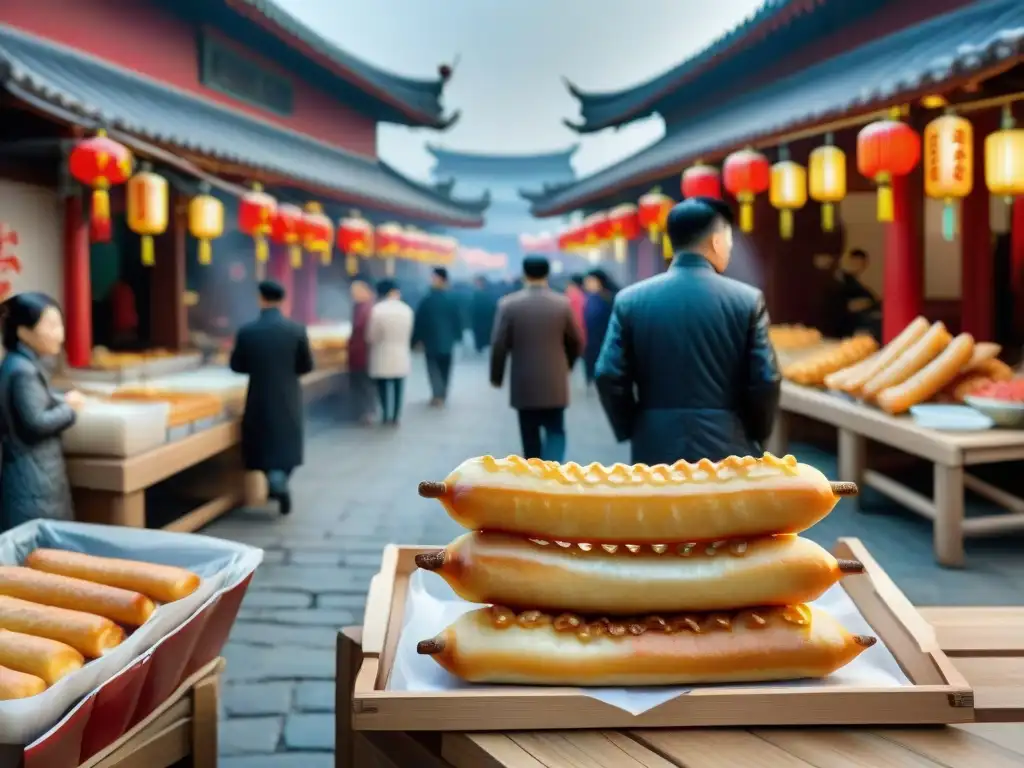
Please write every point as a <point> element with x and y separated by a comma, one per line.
<point>639,575</point>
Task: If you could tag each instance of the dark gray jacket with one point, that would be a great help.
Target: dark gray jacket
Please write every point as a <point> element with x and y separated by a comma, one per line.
<point>33,480</point>
<point>686,370</point>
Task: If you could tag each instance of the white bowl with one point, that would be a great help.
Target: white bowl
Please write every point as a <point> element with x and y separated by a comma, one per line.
<point>950,418</point>
<point>1003,412</point>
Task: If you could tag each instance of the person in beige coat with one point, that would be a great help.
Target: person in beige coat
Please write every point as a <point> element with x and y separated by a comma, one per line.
<point>536,328</point>
<point>389,334</point>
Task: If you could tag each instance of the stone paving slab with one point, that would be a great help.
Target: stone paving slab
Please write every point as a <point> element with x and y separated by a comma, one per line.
<point>357,493</point>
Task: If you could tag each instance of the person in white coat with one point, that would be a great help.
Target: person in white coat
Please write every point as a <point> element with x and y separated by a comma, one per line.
<point>389,335</point>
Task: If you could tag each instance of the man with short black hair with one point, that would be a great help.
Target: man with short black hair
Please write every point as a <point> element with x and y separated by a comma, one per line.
<point>274,351</point>
<point>535,326</point>
<point>438,328</point>
<point>860,305</point>
<point>686,370</point>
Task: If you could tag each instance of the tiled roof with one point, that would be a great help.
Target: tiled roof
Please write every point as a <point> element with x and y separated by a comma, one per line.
<point>602,110</point>
<point>98,93</point>
<point>972,39</point>
<point>419,99</point>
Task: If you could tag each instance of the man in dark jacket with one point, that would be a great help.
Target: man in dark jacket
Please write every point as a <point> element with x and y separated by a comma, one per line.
<point>686,370</point>
<point>537,328</point>
<point>438,328</point>
<point>274,351</point>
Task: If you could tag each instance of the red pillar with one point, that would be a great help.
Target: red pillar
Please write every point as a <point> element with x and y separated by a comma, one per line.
<point>977,281</point>
<point>1017,263</point>
<point>77,285</point>
<point>281,272</point>
<point>902,276</point>
<point>305,290</point>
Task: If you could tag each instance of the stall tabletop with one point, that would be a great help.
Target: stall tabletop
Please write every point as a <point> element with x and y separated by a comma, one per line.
<point>970,746</point>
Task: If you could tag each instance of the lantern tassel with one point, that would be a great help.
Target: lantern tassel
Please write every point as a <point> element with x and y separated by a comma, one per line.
<point>949,221</point>
<point>621,246</point>
<point>262,250</point>
<point>205,254</point>
<point>295,252</point>
<point>99,218</point>
<point>389,267</point>
<point>325,257</point>
<point>148,252</point>
<point>885,202</point>
<point>746,217</point>
<point>828,217</point>
<point>652,231</point>
<point>666,247</point>
<point>352,264</point>
<point>786,224</point>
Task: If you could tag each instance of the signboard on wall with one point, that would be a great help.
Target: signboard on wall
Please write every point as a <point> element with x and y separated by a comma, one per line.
<point>30,240</point>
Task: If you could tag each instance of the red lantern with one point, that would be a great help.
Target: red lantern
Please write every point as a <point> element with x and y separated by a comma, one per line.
<point>255,212</point>
<point>652,214</point>
<point>317,232</point>
<point>747,174</point>
<point>390,243</point>
<point>101,163</point>
<point>625,226</point>
<point>701,181</point>
<point>887,148</point>
<point>286,229</point>
<point>355,239</point>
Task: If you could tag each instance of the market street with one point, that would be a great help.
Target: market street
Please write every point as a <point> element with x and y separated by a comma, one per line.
<point>357,492</point>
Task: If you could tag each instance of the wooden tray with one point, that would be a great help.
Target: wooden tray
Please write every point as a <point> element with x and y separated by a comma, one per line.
<point>186,407</point>
<point>940,694</point>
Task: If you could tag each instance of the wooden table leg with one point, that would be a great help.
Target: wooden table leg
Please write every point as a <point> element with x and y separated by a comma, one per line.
<point>110,507</point>
<point>949,515</point>
<point>778,441</point>
<point>852,462</point>
<point>204,723</point>
<point>349,658</point>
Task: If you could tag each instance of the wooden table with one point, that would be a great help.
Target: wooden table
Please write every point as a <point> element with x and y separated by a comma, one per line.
<point>997,675</point>
<point>113,491</point>
<point>183,727</point>
<point>950,452</point>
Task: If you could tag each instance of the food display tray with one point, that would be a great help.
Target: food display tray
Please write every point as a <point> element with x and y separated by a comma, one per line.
<point>939,694</point>
<point>122,693</point>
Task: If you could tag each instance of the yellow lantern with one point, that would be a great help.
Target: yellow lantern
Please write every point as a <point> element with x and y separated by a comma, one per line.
<point>827,172</point>
<point>1004,159</point>
<point>948,165</point>
<point>147,209</point>
<point>788,191</point>
<point>205,222</point>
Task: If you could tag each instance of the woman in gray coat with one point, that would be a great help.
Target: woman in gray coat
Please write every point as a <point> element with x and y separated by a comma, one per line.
<point>33,480</point>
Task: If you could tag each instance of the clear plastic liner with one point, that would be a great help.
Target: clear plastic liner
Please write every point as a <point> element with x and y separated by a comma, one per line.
<point>221,564</point>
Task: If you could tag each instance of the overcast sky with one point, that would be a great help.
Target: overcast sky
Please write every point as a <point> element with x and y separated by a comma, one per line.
<point>512,57</point>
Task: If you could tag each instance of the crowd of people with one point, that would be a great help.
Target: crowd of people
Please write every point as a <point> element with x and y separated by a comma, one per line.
<point>386,331</point>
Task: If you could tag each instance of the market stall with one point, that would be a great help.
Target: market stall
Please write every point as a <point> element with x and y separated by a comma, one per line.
<point>145,436</point>
<point>944,399</point>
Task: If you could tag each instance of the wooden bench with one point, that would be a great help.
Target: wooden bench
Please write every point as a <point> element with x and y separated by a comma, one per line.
<point>995,670</point>
<point>951,453</point>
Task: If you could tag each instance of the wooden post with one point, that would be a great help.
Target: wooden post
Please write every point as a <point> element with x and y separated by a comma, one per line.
<point>902,280</point>
<point>77,284</point>
<point>281,271</point>
<point>168,316</point>
<point>977,282</point>
<point>305,290</point>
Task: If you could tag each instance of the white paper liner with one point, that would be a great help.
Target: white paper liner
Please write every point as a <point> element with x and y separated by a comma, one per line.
<point>221,564</point>
<point>431,605</point>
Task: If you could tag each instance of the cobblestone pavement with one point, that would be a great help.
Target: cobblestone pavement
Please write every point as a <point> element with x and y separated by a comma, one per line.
<point>357,493</point>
